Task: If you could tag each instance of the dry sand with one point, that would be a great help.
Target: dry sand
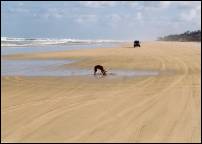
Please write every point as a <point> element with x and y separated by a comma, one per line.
<point>164,108</point>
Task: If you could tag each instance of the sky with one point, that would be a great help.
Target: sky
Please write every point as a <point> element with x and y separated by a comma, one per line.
<point>117,20</point>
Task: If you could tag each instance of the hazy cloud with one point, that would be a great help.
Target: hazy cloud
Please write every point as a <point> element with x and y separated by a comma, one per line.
<point>119,19</point>
<point>96,4</point>
<point>86,19</point>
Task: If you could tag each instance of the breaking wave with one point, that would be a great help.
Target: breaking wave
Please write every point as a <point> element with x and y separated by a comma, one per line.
<point>10,42</point>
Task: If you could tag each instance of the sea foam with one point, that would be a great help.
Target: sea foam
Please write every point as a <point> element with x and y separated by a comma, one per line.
<point>10,42</point>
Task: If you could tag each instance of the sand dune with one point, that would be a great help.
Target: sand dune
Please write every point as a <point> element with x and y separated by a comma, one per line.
<point>164,108</point>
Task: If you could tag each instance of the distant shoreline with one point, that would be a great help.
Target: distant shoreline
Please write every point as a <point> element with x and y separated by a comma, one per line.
<point>192,36</point>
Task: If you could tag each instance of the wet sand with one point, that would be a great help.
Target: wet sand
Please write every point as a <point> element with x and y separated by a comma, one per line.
<point>163,108</point>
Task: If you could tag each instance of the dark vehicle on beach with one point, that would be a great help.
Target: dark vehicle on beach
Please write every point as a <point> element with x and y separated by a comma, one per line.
<point>136,43</point>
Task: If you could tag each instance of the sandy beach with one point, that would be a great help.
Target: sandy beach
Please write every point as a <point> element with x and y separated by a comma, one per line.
<point>162,108</point>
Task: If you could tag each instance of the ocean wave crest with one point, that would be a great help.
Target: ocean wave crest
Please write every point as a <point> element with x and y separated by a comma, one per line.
<point>6,41</point>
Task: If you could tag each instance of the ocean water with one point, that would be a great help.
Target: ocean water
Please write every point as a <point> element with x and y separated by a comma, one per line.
<point>52,48</point>
<point>23,45</point>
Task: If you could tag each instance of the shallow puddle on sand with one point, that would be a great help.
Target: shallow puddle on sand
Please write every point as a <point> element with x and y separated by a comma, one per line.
<point>51,68</point>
